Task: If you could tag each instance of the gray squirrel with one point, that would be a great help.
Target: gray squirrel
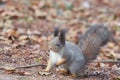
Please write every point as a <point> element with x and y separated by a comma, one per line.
<point>72,57</point>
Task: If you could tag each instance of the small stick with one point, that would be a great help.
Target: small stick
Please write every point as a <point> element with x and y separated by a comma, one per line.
<point>28,66</point>
<point>106,61</point>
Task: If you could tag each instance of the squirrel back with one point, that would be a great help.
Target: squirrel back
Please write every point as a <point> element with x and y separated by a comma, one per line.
<point>97,36</point>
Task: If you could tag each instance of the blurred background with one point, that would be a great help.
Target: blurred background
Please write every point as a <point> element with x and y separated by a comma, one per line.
<point>26,27</point>
<point>40,16</point>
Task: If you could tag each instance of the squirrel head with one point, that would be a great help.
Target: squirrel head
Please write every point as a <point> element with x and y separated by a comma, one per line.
<point>58,41</point>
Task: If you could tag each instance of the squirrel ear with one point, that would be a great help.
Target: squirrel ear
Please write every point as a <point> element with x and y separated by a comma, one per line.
<point>56,31</point>
<point>62,36</point>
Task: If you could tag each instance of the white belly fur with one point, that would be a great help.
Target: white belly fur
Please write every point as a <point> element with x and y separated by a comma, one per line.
<point>54,57</point>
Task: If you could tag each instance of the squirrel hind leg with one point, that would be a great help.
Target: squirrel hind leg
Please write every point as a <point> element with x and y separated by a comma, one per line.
<point>76,69</point>
<point>73,75</point>
<point>63,71</point>
<point>80,74</point>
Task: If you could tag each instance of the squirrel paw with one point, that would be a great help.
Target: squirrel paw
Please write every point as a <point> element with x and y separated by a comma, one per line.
<point>73,75</point>
<point>63,71</point>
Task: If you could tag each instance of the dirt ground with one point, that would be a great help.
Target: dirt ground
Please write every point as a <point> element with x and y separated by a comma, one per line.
<point>26,27</point>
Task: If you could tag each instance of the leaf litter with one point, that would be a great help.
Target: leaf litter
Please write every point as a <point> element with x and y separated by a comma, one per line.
<point>25,33</point>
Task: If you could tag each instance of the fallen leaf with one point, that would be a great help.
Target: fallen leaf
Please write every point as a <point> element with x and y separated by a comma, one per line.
<point>9,71</point>
<point>23,37</point>
<point>110,45</point>
<point>12,14</point>
<point>86,4</point>
<point>117,56</point>
<point>44,73</point>
<point>22,73</point>
<point>59,21</point>
<point>118,78</point>
<point>40,14</point>
<point>67,14</point>
<point>5,39</point>
<point>41,4</point>
<point>102,65</point>
<point>12,32</point>
<point>38,60</point>
<point>9,68</point>
<point>23,42</point>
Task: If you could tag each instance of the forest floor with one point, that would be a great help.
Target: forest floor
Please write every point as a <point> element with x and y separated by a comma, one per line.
<point>26,27</point>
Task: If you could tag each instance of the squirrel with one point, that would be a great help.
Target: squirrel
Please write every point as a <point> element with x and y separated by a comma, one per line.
<point>74,57</point>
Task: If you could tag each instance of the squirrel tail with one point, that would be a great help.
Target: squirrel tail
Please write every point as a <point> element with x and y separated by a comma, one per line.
<point>95,37</point>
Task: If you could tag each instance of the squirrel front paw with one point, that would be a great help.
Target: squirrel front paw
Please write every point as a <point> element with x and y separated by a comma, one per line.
<point>60,62</point>
<point>48,67</point>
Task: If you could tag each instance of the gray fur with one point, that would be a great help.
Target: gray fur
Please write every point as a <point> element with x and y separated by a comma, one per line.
<point>97,36</point>
<point>75,58</point>
<point>75,61</point>
<point>78,55</point>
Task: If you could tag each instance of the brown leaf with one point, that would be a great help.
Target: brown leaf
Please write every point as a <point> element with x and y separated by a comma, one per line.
<point>44,73</point>
<point>5,39</point>
<point>23,42</point>
<point>117,56</point>
<point>41,4</point>
<point>9,71</point>
<point>22,73</point>
<point>9,68</point>
<point>12,14</point>
<point>67,14</point>
<point>12,32</point>
<point>110,45</point>
<point>35,38</point>
<point>23,37</point>
<point>1,10</point>
<point>102,64</point>
<point>40,14</point>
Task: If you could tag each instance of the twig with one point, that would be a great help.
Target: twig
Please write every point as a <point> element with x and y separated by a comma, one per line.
<point>118,69</point>
<point>106,61</point>
<point>28,66</point>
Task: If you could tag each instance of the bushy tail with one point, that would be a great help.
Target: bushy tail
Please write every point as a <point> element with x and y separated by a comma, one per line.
<point>98,35</point>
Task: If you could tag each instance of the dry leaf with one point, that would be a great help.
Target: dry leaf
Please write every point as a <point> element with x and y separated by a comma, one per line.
<point>40,14</point>
<point>9,68</point>
<point>110,45</point>
<point>41,4</point>
<point>67,14</point>
<point>117,56</point>
<point>14,14</point>
<point>102,65</point>
<point>9,71</point>
<point>23,42</point>
<point>86,4</point>
<point>35,38</point>
<point>12,32</point>
<point>23,37</point>
<point>2,38</point>
<point>22,73</point>
<point>44,73</point>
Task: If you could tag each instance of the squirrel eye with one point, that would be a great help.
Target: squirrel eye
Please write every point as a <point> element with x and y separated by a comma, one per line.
<point>58,44</point>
